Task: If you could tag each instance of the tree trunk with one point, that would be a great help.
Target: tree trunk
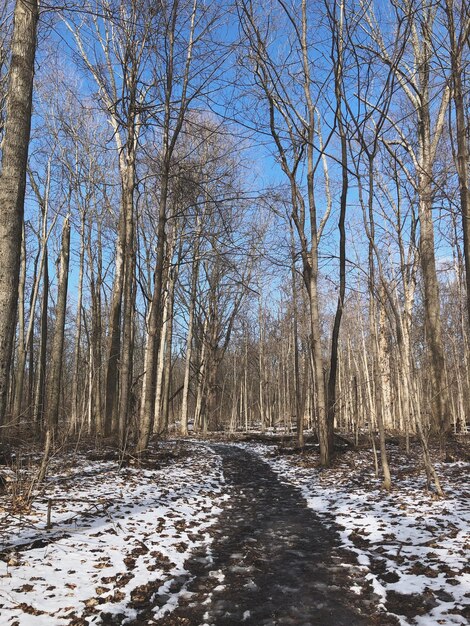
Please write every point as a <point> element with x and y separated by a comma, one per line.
<point>189,343</point>
<point>318,374</point>
<point>160,374</point>
<point>127,347</point>
<point>154,326</point>
<point>383,390</point>
<point>383,364</point>
<point>261,359</point>
<point>22,347</point>
<point>428,142</point>
<point>13,178</point>
<point>114,336</point>
<point>96,280</point>
<point>337,35</point>
<point>78,331</point>
<point>439,401</point>
<point>40,394</point>
<point>57,350</point>
<point>295,340</point>
<point>456,49</point>
<point>164,417</point>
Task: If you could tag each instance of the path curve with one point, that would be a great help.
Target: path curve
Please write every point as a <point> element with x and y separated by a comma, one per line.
<point>273,561</point>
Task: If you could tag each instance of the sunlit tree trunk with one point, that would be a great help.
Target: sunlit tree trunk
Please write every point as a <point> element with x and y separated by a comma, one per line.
<point>128,300</point>
<point>13,178</point>
<point>154,342</point>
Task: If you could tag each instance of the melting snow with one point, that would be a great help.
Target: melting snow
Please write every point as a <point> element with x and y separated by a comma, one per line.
<point>407,541</point>
<point>119,537</point>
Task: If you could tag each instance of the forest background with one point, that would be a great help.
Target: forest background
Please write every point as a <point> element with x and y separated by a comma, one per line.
<point>237,215</point>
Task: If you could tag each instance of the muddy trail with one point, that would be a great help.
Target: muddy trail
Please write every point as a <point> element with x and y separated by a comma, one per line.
<point>272,561</point>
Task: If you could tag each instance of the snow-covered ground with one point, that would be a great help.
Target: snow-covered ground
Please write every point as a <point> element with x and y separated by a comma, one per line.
<point>118,537</point>
<point>414,548</point>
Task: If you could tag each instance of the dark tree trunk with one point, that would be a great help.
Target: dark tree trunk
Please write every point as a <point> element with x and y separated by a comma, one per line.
<point>57,351</point>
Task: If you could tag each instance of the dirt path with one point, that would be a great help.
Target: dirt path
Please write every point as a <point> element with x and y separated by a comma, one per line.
<point>273,561</point>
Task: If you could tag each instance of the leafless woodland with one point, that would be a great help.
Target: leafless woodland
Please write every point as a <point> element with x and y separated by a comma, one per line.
<point>233,216</point>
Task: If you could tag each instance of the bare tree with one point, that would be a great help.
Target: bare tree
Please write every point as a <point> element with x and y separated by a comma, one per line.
<point>54,379</point>
<point>187,71</point>
<point>293,124</point>
<point>429,117</point>
<point>458,28</point>
<point>13,177</point>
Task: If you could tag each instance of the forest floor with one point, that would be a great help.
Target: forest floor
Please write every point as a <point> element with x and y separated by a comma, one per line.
<point>217,533</point>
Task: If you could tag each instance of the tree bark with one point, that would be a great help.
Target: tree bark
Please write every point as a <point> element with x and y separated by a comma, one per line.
<point>457,43</point>
<point>40,393</point>
<point>114,336</point>
<point>13,178</point>
<point>189,344</point>
<point>337,31</point>
<point>164,417</point>
<point>154,326</point>
<point>22,347</point>
<point>57,349</point>
<point>299,409</point>
<point>78,331</point>
<point>128,297</point>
